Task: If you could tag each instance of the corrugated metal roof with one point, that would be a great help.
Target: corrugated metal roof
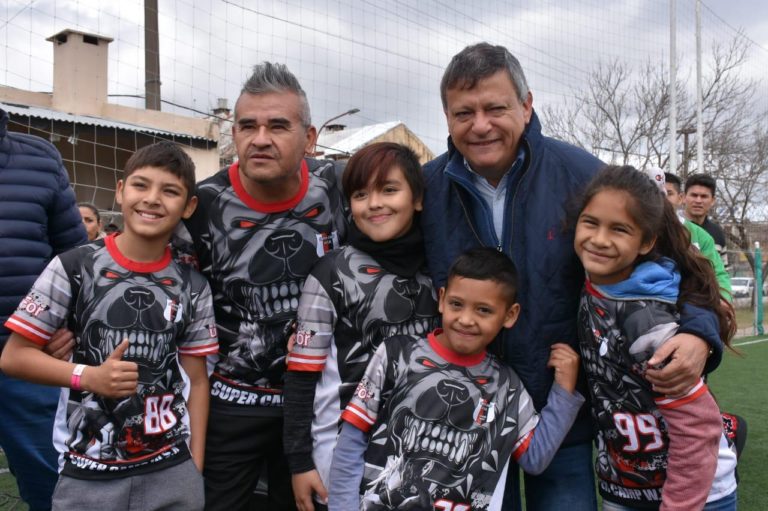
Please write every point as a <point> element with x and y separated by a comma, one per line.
<point>350,140</point>
<point>47,113</point>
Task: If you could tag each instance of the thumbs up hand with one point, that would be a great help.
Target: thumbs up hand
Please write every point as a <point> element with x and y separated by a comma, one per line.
<point>115,378</point>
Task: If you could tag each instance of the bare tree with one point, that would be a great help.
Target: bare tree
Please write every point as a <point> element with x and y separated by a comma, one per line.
<point>623,113</point>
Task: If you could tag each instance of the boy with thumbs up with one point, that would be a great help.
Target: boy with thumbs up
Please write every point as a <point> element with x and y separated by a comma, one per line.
<point>130,428</point>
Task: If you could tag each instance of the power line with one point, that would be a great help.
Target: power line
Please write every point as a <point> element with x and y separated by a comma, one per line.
<point>738,32</point>
<point>20,11</point>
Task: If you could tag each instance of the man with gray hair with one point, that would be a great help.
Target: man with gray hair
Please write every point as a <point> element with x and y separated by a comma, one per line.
<point>502,183</point>
<point>260,226</point>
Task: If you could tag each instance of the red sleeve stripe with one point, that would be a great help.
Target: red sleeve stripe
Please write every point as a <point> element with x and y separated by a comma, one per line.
<point>673,402</point>
<point>522,445</point>
<point>309,359</point>
<point>312,368</point>
<point>357,417</point>
<point>200,351</point>
<point>306,362</point>
<point>27,330</point>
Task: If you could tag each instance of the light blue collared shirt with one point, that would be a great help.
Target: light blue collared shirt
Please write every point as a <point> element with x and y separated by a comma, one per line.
<point>496,197</point>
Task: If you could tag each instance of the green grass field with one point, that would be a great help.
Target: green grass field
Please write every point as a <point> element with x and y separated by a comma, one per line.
<point>9,495</point>
<point>739,384</point>
<point>741,387</point>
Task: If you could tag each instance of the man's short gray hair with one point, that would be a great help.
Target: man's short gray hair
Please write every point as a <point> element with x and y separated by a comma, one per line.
<point>480,61</point>
<point>270,77</point>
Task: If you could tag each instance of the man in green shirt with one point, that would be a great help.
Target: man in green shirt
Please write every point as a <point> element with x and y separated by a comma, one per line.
<point>699,237</point>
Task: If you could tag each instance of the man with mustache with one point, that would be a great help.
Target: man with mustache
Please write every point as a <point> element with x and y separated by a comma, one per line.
<point>260,226</point>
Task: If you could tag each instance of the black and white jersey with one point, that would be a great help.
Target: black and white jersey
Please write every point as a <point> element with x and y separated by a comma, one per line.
<point>256,257</point>
<point>164,309</point>
<point>617,337</point>
<point>442,426</point>
<point>348,306</point>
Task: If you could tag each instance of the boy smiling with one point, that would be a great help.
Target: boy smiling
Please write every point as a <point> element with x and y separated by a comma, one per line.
<point>126,411</point>
<point>433,423</point>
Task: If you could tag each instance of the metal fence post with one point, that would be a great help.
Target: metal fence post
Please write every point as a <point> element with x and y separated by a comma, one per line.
<point>758,290</point>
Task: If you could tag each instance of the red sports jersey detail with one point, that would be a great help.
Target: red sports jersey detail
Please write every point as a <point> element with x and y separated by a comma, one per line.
<point>522,445</point>
<point>200,351</point>
<point>301,362</point>
<point>673,402</point>
<point>357,417</point>
<point>27,330</point>
<point>272,207</point>
<point>130,264</point>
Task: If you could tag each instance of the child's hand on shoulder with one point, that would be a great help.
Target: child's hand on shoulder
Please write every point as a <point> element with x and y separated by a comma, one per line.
<point>565,361</point>
<point>114,378</point>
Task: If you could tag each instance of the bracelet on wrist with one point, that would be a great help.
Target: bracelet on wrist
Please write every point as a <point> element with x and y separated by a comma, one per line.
<point>77,372</point>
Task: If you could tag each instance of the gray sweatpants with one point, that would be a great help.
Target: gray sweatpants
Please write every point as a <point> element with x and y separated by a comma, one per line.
<point>177,488</point>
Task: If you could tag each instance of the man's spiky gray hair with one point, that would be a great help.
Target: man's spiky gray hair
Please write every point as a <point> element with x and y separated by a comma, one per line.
<point>272,77</point>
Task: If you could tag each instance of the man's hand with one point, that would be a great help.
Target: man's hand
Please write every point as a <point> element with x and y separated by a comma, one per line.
<point>114,378</point>
<point>686,355</point>
<point>304,485</point>
<point>61,344</point>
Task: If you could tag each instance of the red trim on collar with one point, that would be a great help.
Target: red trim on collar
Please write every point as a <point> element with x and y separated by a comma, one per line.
<point>130,264</point>
<point>268,207</point>
<point>451,356</point>
<point>592,290</point>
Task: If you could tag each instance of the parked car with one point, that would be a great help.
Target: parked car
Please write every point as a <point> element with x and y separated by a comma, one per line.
<point>742,286</point>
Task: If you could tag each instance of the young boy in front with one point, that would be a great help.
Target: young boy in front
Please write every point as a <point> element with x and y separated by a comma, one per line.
<point>126,409</point>
<point>432,424</point>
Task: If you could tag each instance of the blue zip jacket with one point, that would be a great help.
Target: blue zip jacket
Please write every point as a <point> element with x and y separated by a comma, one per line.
<point>39,217</point>
<point>539,197</point>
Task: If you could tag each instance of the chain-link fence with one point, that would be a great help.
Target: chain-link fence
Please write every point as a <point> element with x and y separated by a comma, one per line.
<point>750,289</point>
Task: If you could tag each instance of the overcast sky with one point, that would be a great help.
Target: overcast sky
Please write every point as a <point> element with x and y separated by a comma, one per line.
<point>384,57</point>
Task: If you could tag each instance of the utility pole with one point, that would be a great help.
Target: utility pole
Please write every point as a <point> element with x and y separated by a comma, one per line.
<point>151,56</point>
<point>699,106</point>
<point>688,130</point>
<point>673,86</point>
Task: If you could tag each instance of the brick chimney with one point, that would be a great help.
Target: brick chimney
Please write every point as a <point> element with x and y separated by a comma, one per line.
<point>79,72</point>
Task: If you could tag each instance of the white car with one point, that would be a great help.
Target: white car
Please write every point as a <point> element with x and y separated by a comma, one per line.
<point>742,286</point>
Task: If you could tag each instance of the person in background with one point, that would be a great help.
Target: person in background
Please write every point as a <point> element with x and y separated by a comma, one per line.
<point>700,190</point>
<point>38,220</point>
<point>699,237</point>
<point>91,220</point>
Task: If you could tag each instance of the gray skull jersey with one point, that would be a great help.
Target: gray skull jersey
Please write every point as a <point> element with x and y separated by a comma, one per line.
<point>375,305</point>
<point>348,306</point>
<point>164,309</point>
<point>442,427</point>
<point>617,336</point>
<point>256,257</point>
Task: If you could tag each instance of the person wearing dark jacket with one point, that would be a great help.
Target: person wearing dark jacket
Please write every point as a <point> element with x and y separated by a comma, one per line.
<point>38,220</point>
<point>503,184</point>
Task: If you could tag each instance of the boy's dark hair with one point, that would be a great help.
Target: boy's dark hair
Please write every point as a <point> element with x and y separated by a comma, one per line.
<point>111,227</point>
<point>655,216</point>
<point>674,181</point>
<point>92,207</point>
<point>168,156</point>
<point>375,161</point>
<point>486,263</point>
<point>701,180</point>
